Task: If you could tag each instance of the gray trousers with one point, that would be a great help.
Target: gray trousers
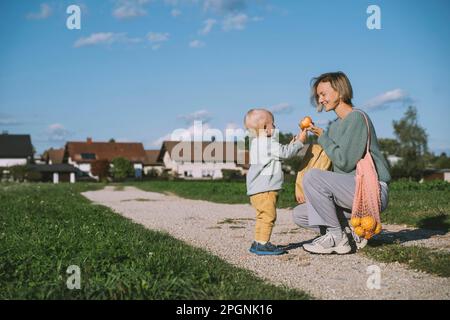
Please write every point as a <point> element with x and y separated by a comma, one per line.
<point>329,199</point>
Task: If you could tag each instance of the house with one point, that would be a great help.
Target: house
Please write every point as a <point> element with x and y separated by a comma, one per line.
<point>202,159</point>
<point>53,156</point>
<point>437,174</point>
<point>82,154</point>
<point>152,162</point>
<point>393,159</point>
<point>15,149</point>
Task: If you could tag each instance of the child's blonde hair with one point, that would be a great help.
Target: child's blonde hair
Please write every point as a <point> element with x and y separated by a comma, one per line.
<point>256,119</point>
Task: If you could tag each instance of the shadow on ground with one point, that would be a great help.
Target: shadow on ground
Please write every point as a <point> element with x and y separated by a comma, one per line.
<point>439,222</point>
<point>402,236</point>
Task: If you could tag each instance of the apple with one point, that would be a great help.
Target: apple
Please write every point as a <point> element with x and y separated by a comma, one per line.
<point>306,122</point>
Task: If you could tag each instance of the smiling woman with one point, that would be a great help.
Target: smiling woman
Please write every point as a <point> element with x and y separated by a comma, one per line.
<point>330,195</point>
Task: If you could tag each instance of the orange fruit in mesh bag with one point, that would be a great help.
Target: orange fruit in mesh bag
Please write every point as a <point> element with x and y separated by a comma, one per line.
<point>378,228</point>
<point>368,223</point>
<point>360,231</point>
<point>368,235</point>
<point>355,222</point>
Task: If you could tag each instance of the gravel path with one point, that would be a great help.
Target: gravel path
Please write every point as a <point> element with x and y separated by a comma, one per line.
<point>227,230</point>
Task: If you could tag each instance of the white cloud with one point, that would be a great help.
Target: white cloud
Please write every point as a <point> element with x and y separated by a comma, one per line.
<point>203,132</point>
<point>56,132</point>
<point>234,131</point>
<point>7,120</point>
<point>130,9</point>
<point>175,13</point>
<point>209,24</point>
<point>44,12</point>
<point>155,37</point>
<point>196,44</point>
<point>158,142</point>
<point>200,115</point>
<point>384,100</point>
<point>282,108</point>
<point>196,132</point>
<point>235,22</point>
<point>156,47</point>
<point>224,6</point>
<point>103,38</point>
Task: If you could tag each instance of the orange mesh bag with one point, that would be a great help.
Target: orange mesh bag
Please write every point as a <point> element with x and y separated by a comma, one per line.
<point>367,201</point>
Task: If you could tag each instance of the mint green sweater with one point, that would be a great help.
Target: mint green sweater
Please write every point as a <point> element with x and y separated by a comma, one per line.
<point>345,144</point>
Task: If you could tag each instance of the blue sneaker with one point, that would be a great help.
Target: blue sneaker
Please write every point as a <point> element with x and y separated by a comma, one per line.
<point>265,249</point>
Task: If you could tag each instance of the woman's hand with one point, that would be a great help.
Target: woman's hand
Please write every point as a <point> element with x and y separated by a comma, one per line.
<point>300,198</point>
<point>316,130</point>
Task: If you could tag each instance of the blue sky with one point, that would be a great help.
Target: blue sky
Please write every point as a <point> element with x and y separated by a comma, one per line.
<point>139,69</point>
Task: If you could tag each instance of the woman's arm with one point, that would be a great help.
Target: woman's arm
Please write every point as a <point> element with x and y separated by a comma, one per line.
<point>352,143</point>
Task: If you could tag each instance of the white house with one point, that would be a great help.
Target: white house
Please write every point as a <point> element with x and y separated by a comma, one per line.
<point>152,162</point>
<point>393,159</point>
<point>202,159</point>
<point>15,149</point>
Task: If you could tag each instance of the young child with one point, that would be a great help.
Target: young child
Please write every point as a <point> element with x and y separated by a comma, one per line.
<point>265,176</point>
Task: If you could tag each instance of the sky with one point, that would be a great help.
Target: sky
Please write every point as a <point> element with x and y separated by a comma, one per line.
<point>138,70</point>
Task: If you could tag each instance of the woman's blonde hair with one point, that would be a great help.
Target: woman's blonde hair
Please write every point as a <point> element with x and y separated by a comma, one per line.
<point>338,81</point>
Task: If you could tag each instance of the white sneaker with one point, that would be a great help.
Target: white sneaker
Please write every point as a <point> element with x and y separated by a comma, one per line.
<point>359,241</point>
<point>326,245</point>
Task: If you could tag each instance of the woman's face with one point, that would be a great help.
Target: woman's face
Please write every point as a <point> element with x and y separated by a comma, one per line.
<point>327,96</point>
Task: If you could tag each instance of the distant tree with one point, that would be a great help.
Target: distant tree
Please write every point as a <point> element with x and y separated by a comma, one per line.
<point>33,176</point>
<point>231,174</point>
<point>112,140</point>
<point>389,146</point>
<point>413,145</point>
<point>100,168</point>
<point>18,172</point>
<point>121,168</point>
<point>442,162</point>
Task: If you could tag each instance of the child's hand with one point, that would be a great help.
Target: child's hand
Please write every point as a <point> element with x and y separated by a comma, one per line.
<point>303,134</point>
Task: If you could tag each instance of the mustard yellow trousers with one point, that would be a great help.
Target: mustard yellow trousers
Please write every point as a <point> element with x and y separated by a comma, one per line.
<point>265,204</point>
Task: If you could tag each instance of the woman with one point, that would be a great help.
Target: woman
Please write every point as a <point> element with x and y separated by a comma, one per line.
<point>329,194</point>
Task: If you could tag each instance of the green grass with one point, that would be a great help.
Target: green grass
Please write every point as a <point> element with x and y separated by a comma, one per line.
<point>416,258</point>
<point>412,204</point>
<point>429,209</point>
<point>45,228</point>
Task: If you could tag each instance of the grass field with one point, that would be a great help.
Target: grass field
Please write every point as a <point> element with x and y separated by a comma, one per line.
<point>45,228</point>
